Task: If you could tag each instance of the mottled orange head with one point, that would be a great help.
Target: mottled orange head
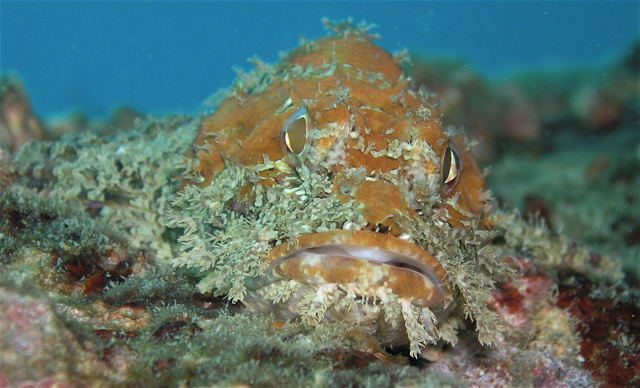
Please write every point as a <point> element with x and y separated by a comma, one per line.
<point>342,106</point>
<point>343,103</point>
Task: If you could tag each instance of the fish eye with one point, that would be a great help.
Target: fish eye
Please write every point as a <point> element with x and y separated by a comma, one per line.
<point>295,132</point>
<point>451,167</point>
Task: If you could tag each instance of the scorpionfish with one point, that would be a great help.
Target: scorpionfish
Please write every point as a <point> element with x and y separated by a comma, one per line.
<point>333,191</point>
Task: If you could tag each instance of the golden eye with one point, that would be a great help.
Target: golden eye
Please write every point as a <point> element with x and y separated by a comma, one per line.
<point>451,167</point>
<point>295,132</point>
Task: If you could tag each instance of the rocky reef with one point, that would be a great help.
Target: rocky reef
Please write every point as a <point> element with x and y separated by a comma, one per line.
<point>126,260</point>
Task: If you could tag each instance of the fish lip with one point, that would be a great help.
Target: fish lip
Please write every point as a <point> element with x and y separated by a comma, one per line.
<point>368,246</point>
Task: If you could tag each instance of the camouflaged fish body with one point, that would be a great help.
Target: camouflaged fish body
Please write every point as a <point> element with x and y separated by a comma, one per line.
<point>327,188</point>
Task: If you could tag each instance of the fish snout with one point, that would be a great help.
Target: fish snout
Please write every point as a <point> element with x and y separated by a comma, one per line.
<point>365,260</point>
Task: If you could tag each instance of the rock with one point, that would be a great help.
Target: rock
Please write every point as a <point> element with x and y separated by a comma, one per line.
<point>38,349</point>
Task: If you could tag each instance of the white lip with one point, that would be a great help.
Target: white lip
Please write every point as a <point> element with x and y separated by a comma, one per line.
<point>318,255</point>
<point>367,253</point>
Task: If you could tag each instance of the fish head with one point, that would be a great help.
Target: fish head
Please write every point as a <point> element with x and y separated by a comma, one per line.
<point>342,108</point>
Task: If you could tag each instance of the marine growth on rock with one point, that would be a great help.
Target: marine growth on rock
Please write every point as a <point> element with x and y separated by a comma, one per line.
<point>323,223</point>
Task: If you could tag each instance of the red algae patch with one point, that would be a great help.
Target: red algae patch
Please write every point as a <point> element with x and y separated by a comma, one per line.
<point>609,328</point>
<point>516,300</point>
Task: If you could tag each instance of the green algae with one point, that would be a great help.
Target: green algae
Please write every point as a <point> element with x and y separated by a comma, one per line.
<point>30,221</point>
<point>38,237</point>
<point>589,190</point>
<point>128,176</point>
<point>257,350</point>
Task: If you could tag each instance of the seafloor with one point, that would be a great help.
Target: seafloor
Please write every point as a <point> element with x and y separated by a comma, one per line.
<point>87,297</point>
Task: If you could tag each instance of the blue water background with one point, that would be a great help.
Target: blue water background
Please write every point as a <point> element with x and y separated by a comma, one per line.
<point>170,56</point>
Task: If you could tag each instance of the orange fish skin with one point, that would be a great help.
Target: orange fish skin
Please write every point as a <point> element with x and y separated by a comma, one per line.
<point>358,96</point>
<point>380,144</point>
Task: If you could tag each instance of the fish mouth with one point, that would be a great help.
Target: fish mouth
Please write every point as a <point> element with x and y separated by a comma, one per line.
<point>365,259</point>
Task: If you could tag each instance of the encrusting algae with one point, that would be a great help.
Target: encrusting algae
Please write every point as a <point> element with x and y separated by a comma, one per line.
<point>326,188</point>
